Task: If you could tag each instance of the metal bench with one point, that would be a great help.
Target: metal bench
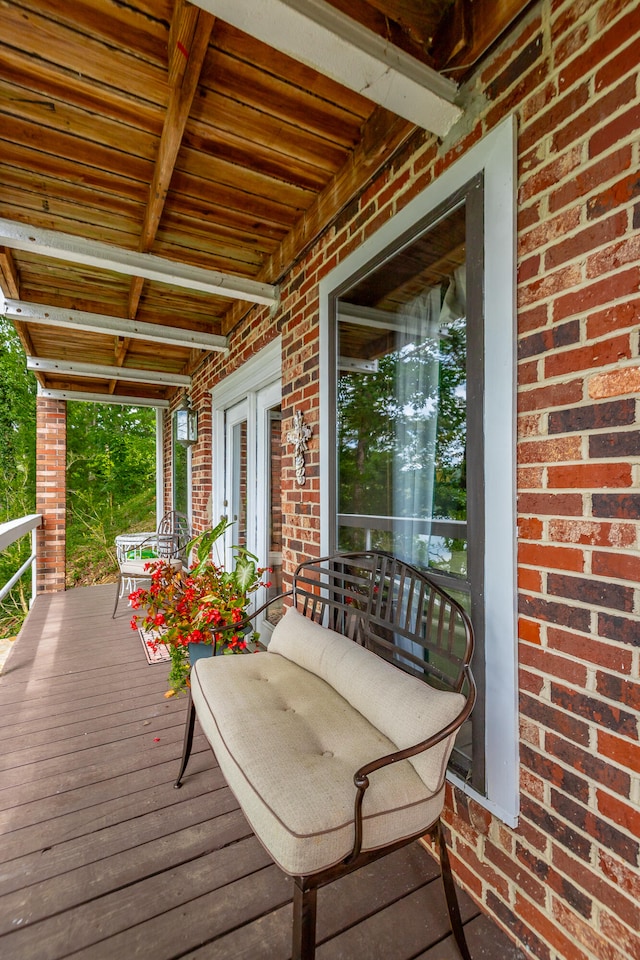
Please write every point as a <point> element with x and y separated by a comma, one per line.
<point>335,740</point>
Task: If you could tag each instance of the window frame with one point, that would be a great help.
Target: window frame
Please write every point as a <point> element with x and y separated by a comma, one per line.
<point>494,159</point>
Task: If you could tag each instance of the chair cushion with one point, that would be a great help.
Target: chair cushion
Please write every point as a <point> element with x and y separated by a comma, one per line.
<point>288,745</point>
<point>404,708</point>
<point>139,568</point>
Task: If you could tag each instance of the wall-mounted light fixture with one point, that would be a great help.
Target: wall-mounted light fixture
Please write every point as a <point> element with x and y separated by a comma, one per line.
<point>186,423</point>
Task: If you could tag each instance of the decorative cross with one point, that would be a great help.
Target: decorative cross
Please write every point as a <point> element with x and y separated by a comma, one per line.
<point>299,436</point>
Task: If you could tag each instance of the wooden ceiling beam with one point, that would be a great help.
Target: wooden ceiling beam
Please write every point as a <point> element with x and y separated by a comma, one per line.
<point>10,287</point>
<point>111,326</point>
<point>107,256</point>
<point>382,135</point>
<point>324,38</point>
<point>188,44</point>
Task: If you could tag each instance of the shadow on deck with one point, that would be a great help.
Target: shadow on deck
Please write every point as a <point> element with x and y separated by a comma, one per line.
<point>102,858</point>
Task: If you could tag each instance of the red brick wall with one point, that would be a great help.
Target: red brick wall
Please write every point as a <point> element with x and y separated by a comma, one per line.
<point>566,881</point>
<point>51,494</point>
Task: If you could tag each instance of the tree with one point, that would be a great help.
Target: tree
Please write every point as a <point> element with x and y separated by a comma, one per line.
<point>17,466</point>
<point>111,461</point>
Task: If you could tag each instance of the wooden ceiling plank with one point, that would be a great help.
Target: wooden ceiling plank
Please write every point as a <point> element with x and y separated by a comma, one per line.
<point>252,183</point>
<point>249,128</point>
<point>32,190</point>
<point>51,83</point>
<point>64,246</point>
<point>68,153</point>
<point>130,26</point>
<point>81,55</point>
<point>99,323</point>
<point>30,158</point>
<point>199,188</point>
<point>82,125</point>
<point>245,83</point>
<point>382,135</point>
<point>269,60</point>
<point>326,39</point>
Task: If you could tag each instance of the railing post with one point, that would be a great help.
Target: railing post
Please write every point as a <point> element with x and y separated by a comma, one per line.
<point>51,453</point>
<point>34,564</point>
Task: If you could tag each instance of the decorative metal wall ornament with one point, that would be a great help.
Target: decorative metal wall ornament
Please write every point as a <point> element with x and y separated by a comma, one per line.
<point>298,436</point>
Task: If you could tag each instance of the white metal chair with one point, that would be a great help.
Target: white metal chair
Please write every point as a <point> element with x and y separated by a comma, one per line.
<point>135,552</point>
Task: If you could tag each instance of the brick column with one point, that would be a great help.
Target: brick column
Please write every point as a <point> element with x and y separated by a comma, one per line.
<point>51,493</point>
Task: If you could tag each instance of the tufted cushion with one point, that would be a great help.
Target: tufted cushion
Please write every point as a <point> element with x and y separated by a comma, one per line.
<point>288,745</point>
<point>405,709</point>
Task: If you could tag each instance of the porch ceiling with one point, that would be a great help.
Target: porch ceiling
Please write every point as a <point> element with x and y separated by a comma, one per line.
<point>160,166</point>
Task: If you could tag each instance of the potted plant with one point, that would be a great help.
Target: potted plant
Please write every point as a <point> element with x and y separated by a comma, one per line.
<point>199,611</point>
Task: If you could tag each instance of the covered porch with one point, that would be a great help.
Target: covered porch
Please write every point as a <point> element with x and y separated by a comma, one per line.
<point>193,208</point>
<point>101,857</point>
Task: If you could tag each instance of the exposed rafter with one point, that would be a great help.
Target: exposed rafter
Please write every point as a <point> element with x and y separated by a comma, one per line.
<point>111,326</point>
<point>10,287</point>
<point>93,371</point>
<point>189,40</point>
<point>318,35</point>
<point>105,256</point>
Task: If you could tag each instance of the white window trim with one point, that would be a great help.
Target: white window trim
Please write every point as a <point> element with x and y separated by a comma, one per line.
<point>495,156</point>
<point>159,465</point>
<point>260,371</point>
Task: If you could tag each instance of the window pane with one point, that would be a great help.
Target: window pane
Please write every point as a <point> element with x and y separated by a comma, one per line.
<point>402,426</point>
<point>403,416</point>
<point>180,475</point>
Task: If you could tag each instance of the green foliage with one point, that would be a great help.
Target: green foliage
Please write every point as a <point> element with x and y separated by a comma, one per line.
<point>17,468</point>
<point>111,462</point>
<point>207,604</point>
<point>402,444</point>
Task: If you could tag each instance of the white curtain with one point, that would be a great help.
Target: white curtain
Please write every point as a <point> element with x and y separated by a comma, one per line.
<point>423,324</point>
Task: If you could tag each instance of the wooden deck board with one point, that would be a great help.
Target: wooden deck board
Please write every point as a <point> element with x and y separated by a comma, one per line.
<point>100,856</point>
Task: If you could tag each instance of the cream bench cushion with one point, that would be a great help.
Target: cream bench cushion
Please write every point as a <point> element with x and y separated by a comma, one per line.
<point>289,742</point>
<point>138,569</point>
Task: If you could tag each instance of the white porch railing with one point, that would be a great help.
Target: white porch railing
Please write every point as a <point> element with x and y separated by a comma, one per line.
<point>9,533</point>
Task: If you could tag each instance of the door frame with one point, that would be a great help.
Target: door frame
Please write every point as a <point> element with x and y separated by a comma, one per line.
<point>258,376</point>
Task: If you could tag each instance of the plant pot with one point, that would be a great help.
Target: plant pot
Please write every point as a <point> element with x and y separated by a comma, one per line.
<point>197,651</point>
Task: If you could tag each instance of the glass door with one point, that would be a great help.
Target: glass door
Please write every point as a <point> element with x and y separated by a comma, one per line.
<point>269,492</point>
<point>236,484</point>
<point>248,448</point>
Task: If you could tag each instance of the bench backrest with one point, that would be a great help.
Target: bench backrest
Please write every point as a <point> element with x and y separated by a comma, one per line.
<point>391,608</point>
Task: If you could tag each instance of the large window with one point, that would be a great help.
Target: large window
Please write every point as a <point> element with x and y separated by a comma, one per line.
<point>417,414</point>
<point>409,391</point>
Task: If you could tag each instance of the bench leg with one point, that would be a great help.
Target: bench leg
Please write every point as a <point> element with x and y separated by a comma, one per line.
<point>304,921</point>
<point>450,893</point>
<point>188,740</point>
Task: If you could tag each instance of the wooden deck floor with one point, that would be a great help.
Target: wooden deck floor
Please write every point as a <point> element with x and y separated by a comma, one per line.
<point>100,856</point>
